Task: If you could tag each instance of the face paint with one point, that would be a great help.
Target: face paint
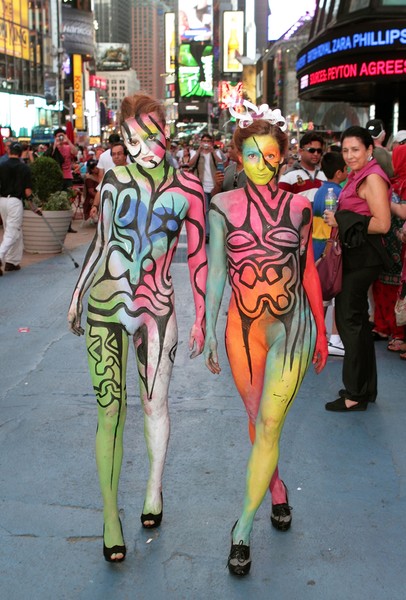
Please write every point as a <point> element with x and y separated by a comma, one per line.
<point>144,137</point>
<point>260,158</point>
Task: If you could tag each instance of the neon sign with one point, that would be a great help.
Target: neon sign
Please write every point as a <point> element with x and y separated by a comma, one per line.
<point>373,68</point>
<point>355,41</point>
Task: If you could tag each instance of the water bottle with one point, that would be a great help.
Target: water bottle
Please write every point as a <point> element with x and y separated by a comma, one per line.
<point>331,200</point>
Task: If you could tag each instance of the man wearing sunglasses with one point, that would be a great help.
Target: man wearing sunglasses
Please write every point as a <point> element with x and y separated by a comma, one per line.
<point>305,177</point>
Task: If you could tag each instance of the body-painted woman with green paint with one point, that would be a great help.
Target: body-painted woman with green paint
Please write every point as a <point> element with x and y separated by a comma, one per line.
<point>275,326</point>
<point>143,208</point>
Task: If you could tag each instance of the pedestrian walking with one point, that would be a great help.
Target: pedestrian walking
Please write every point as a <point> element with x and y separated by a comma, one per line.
<point>143,208</point>
<point>275,328</point>
<point>15,187</point>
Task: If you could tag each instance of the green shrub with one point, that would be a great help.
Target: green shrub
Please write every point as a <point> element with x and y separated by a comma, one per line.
<point>57,201</point>
<point>47,177</point>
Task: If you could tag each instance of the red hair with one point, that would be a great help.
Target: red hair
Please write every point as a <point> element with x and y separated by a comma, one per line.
<point>141,104</point>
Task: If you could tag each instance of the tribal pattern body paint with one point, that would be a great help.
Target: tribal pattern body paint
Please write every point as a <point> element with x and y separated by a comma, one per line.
<point>266,252</point>
<point>261,237</point>
<point>127,268</point>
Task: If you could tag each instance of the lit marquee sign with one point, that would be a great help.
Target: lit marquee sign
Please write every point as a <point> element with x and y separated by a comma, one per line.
<point>373,68</point>
<point>358,56</point>
<point>356,41</point>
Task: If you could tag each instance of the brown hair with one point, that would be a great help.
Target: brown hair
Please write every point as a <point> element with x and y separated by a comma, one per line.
<point>141,104</point>
<point>261,127</point>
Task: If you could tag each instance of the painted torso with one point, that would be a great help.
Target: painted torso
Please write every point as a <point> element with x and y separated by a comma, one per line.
<point>263,247</point>
<point>147,214</point>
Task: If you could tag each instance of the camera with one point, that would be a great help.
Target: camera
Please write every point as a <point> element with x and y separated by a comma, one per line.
<point>61,138</point>
<point>205,146</point>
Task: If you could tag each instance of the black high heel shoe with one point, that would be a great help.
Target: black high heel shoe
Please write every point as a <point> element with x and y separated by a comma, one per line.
<point>281,515</point>
<point>108,552</point>
<point>151,517</point>
<point>239,561</point>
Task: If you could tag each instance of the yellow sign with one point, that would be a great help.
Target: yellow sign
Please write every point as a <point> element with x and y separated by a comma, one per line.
<point>78,91</point>
<point>14,34</point>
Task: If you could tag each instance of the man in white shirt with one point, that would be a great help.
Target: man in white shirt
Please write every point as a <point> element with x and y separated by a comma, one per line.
<point>119,158</point>
<point>105,160</point>
<point>205,163</point>
<point>305,177</point>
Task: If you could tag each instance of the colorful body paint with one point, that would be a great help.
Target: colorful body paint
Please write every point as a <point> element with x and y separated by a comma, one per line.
<point>275,325</point>
<point>127,268</point>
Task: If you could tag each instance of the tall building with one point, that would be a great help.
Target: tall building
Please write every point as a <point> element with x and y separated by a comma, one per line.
<point>261,23</point>
<point>148,43</point>
<point>113,23</point>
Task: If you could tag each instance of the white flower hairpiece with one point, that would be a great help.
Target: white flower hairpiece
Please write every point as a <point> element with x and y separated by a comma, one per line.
<point>253,113</point>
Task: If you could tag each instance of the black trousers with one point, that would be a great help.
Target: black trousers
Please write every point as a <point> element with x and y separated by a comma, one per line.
<point>352,319</point>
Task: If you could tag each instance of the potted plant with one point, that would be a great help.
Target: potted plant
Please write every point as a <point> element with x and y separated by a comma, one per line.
<point>46,233</point>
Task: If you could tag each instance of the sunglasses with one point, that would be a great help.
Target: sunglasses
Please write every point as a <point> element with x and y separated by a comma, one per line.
<point>314,150</point>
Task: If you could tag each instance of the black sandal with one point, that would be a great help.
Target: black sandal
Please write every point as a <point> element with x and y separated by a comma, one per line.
<point>239,561</point>
<point>151,517</point>
<point>108,552</point>
<point>281,515</point>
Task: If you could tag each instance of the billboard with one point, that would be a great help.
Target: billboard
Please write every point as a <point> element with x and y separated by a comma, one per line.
<point>195,21</point>
<point>14,34</point>
<point>230,93</point>
<point>233,40</point>
<point>112,57</point>
<point>363,53</point>
<point>77,31</point>
<point>170,42</point>
<point>78,91</point>
<point>51,87</point>
<point>195,71</point>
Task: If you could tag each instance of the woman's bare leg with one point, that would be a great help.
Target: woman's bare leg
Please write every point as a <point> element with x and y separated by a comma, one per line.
<point>155,362</point>
<point>107,356</point>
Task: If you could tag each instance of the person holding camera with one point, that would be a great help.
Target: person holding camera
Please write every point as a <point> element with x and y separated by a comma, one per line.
<point>63,151</point>
<point>205,164</point>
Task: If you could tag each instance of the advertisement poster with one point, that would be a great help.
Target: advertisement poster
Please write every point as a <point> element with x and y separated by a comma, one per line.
<point>113,57</point>
<point>14,33</point>
<point>195,70</point>
<point>233,40</point>
<point>170,42</point>
<point>195,20</point>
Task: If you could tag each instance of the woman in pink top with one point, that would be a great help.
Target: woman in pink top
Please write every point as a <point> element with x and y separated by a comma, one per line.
<point>362,218</point>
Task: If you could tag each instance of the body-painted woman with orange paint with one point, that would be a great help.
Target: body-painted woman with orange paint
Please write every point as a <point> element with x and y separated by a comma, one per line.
<point>127,267</point>
<point>275,327</point>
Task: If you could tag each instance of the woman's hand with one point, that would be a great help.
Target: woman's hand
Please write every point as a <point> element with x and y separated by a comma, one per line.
<point>94,213</point>
<point>74,316</point>
<point>329,218</point>
<point>320,352</point>
<point>211,356</point>
<point>196,340</point>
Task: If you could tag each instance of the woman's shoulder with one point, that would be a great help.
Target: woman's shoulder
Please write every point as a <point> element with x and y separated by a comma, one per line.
<point>229,197</point>
<point>300,200</point>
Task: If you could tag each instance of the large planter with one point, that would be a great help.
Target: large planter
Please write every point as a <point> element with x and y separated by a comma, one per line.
<point>38,237</point>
